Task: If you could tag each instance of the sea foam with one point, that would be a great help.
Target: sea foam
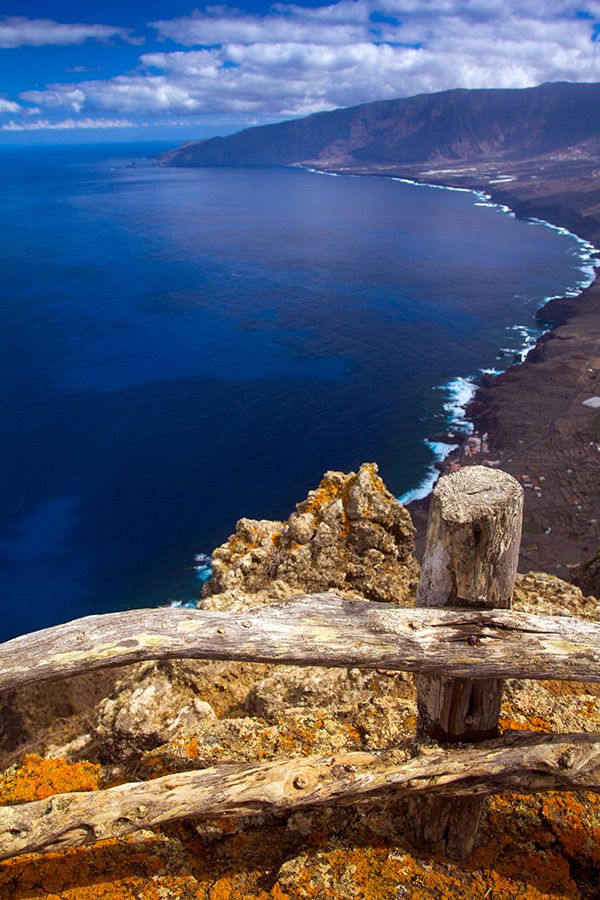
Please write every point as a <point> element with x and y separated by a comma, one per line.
<point>461,389</point>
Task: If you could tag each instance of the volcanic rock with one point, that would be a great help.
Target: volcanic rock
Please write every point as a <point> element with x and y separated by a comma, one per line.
<point>350,535</point>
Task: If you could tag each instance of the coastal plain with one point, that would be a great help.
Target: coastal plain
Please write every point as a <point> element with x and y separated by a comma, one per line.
<point>538,426</point>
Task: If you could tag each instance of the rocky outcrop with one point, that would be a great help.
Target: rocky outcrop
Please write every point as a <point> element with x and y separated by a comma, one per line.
<point>350,534</point>
<point>587,575</point>
<point>165,717</point>
<point>172,716</point>
<point>156,701</point>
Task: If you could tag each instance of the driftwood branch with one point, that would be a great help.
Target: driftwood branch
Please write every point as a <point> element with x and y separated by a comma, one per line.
<point>522,763</point>
<point>318,629</point>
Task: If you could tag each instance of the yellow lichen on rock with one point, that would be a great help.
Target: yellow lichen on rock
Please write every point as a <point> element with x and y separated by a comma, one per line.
<point>350,535</point>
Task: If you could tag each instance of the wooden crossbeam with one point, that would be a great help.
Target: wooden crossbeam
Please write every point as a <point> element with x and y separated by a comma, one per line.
<point>317,630</point>
<point>525,763</point>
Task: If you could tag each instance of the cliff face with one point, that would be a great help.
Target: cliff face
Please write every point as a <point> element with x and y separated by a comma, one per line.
<point>451,126</point>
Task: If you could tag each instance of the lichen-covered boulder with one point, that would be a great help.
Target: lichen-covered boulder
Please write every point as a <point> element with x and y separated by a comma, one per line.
<point>545,594</point>
<point>350,535</point>
<point>155,703</point>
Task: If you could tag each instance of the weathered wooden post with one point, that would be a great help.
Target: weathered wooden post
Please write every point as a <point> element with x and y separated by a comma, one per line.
<point>473,539</point>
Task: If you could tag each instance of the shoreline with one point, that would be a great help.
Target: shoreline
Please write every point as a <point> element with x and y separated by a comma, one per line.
<point>464,412</point>
<point>568,351</point>
<point>533,413</point>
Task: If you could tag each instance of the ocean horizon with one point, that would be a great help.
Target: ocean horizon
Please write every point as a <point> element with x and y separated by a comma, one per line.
<point>184,347</point>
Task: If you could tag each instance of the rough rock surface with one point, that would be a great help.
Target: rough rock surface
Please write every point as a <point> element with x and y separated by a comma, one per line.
<point>544,594</point>
<point>165,717</point>
<point>39,715</point>
<point>350,534</point>
<point>158,700</point>
<point>587,575</point>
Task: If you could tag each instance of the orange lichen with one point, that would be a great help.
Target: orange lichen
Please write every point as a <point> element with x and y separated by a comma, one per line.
<point>513,720</point>
<point>525,852</point>
<point>328,491</point>
<point>300,737</point>
<point>191,747</point>
<point>37,778</point>
<point>531,723</point>
<point>575,821</point>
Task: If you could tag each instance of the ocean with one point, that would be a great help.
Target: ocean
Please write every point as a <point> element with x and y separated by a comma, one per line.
<point>181,348</point>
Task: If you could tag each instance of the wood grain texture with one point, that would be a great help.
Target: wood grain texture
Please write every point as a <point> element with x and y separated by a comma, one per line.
<point>317,629</point>
<point>471,557</point>
<point>521,763</point>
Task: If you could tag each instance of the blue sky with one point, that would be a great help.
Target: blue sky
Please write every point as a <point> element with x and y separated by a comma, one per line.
<point>173,70</point>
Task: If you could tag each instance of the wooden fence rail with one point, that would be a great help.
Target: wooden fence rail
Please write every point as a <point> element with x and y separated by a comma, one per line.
<point>317,630</point>
<point>522,763</point>
<point>462,639</point>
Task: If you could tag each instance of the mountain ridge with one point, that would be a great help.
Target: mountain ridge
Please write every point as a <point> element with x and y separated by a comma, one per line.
<point>449,126</point>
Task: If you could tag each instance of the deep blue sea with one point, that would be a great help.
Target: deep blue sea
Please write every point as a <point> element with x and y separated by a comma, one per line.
<point>184,347</point>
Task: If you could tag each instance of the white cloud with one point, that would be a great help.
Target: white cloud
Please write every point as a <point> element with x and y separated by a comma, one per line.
<point>94,123</point>
<point>65,124</point>
<point>9,106</point>
<point>298,60</point>
<point>340,23</point>
<point>19,31</point>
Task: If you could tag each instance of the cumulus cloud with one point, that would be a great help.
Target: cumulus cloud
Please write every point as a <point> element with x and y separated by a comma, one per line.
<point>295,60</point>
<point>19,31</point>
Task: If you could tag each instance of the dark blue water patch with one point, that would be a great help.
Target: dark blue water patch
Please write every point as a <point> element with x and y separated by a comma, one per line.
<point>184,347</point>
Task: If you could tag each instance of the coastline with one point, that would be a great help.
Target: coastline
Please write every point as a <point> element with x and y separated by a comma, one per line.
<point>464,391</point>
<point>531,413</point>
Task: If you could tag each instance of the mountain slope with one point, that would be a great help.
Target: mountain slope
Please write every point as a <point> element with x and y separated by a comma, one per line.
<point>456,125</point>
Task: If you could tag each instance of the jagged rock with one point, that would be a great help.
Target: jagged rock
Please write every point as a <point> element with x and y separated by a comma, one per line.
<point>347,691</point>
<point>350,534</point>
<point>293,712</point>
<point>154,704</point>
<point>544,594</point>
<point>303,731</point>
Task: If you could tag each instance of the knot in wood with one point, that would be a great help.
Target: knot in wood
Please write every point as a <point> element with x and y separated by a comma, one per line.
<point>341,770</point>
<point>567,759</point>
<point>300,782</point>
<point>220,630</point>
<point>59,802</point>
<point>246,624</point>
<point>473,640</point>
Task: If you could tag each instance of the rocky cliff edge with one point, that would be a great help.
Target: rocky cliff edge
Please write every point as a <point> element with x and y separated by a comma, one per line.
<point>350,535</point>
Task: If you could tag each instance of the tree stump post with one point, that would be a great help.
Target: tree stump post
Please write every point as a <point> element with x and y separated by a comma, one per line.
<point>471,557</point>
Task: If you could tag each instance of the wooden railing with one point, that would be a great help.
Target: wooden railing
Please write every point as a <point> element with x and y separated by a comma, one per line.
<point>461,639</point>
